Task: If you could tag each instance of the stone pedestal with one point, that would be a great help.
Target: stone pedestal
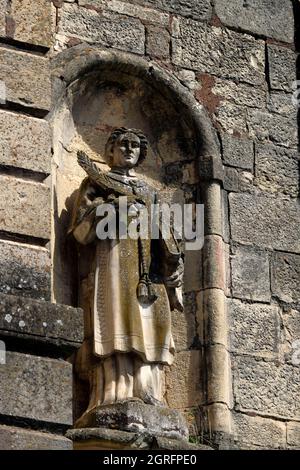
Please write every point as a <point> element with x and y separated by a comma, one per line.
<point>112,439</point>
<point>136,416</point>
<point>131,425</point>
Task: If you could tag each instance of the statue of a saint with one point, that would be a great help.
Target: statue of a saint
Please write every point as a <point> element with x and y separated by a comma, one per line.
<point>126,285</point>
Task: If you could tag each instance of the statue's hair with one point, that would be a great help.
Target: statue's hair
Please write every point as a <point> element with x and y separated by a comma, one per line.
<point>123,130</point>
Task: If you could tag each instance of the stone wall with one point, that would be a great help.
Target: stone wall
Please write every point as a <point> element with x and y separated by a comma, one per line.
<point>239,60</point>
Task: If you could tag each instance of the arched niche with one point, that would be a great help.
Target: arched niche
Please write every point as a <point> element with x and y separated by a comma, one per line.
<point>97,90</point>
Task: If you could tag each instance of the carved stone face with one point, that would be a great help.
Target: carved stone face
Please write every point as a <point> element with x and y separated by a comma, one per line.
<point>126,150</point>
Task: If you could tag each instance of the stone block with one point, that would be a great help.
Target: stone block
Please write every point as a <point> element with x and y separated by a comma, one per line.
<point>238,152</point>
<point>285,276</point>
<point>250,274</point>
<point>239,93</point>
<point>237,180</point>
<point>25,142</point>
<point>3,4</point>
<point>273,19</point>
<point>149,15</point>
<point>282,67</point>
<point>232,119</point>
<point>26,78</point>
<point>267,127</point>
<point>254,431</point>
<point>37,388</point>
<point>281,103</point>
<point>276,169</point>
<point>24,207</point>
<point>198,9</point>
<point>231,180</point>
<point>32,22</point>
<point>266,388</point>
<point>197,46</point>
<point>184,380</point>
<point>136,416</point>
<point>254,328</point>
<point>157,42</point>
<point>291,330</point>
<point>293,434</point>
<point>111,31</point>
<point>262,221</point>
<point>108,439</point>
<point>25,270</point>
<point>13,438</point>
<point>42,321</point>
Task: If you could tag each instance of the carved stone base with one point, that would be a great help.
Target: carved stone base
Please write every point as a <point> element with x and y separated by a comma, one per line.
<point>112,439</point>
<point>136,416</point>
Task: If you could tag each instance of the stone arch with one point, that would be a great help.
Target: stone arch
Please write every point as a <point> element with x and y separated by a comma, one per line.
<point>75,64</point>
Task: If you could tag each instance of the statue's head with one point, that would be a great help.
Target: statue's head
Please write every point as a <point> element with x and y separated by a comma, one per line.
<point>126,148</point>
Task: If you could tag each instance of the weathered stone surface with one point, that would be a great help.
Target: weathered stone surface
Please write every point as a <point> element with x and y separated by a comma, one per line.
<point>26,77</point>
<point>221,52</point>
<point>218,367</point>
<point>188,78</point>
<point>273,19</point>
<point>291,330</point>
<point>239,93</point>
<point>184,381</point>
<point>12,438</point>
<point>2,17</point>
<point>102,438</point>
<point>198,9</point>
<point>262,221</point>
<point>225,216</point>
<point>277,169</point>
<point>232,118</point>
<point>157,42</point>
<point>281,103</point>
<point>212,316</point>
<point>37,388</point>
<point>293,434</point>
<point>238,180</point>
<point>25,142</point>
<point>214,273</point>
<point>114,31</point>
<point>129,8</point>
<point>282,67</point>
<point>274,128</point>
<point>193,271</point>
<point>184,323</point>
<point>252,431</point>
<point>255,328</point>
<point>238,152</point>
<point>267,388</point>
<point>58,324</point>
<point>250,275</point>
<point>136,416</point>
<point>33,22</point>
<point>24,207</point>
<point>285,276</point>
<point>25,270</point>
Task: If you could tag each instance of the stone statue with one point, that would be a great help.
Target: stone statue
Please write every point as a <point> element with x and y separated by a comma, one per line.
<point>127,287</point>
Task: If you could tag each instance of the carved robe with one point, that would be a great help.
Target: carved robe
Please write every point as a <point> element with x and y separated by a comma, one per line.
<point>115,320</point>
